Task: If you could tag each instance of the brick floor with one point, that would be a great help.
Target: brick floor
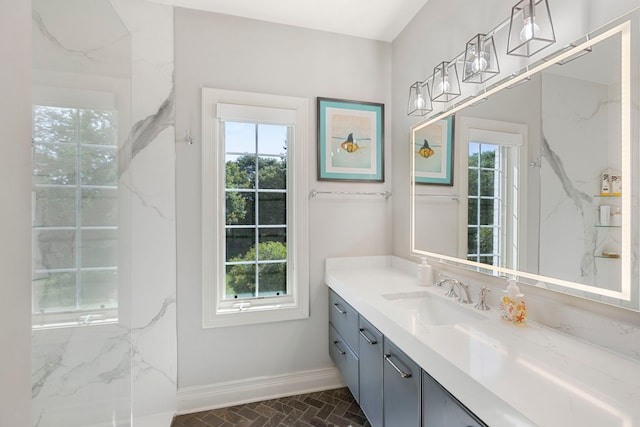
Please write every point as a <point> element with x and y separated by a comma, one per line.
<point>330,408</point>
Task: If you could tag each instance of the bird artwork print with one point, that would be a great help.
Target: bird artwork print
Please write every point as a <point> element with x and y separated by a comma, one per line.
<point>426,151</point>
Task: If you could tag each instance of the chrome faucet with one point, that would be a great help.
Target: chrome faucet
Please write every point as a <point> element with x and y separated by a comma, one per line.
<point>463,295</point>
<point>452,290</point>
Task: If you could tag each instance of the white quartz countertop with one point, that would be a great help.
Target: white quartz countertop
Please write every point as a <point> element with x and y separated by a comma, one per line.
<point>507,375</point>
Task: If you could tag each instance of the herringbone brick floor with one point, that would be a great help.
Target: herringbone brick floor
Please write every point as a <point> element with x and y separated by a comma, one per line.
<point>330,408</point>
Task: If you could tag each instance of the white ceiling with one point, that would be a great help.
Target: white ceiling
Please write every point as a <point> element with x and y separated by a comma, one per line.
<point>372,19</point>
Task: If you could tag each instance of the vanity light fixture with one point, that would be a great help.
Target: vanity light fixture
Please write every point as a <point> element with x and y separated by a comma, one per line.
<point>480,60</point>
<point>445,84</point>
<point>419,99</point>
<point>530,28</point>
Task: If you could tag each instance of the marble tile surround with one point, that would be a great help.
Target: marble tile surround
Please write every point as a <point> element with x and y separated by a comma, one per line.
<point>123,374</point>
<point>575,116</point>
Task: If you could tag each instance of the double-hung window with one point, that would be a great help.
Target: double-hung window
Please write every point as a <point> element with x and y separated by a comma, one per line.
<point>255,212</point>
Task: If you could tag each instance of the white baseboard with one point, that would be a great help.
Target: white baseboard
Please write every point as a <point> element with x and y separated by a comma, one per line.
<point>222,395</point>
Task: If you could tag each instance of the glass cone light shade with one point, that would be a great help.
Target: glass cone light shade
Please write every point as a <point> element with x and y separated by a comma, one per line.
<point>445,84</point>
<point>419,99</point>
<point>530,28</point>
<point>480,60</point>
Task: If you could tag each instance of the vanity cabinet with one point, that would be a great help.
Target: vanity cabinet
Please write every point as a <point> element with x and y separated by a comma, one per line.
<point>370,371</point>
<point>440,408</point>
<point>401,394</point>
<point>391,389</point>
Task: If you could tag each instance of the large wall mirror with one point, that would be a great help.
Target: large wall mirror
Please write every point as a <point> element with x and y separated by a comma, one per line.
<point>530,155</point>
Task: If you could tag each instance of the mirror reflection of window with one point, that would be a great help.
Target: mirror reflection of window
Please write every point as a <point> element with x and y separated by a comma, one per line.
<point>485,230</point>
<point>492,197</point>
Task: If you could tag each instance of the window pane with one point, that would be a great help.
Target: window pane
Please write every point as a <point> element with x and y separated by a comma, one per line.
<point>99,166</point>
<point>473,182</point>
<point>488,156</point>
<point>272,173</point>
<point>99,207</point>
<point>99,248</point>
<point>487,212</point>
<point>273,244</point>
<point>54,164</point>
<point>472,240</point>
<point>272,279</point>
<point>487,260</point>
<point>54,292</point>
<point>240,172</point>
<point>487,180</point>
<point>473,154</point>
<point>54,249</point>
<point>272,139</point>
<point>472,212</point>
<point>240,244</point>
<point>54,124</point>
<point>240,208</point>
<point>241,281</point>
<point>272,208</point>
<point>486,240</point>
<point>54,207</point>
<point>239,137</point>
<point>99,290</point>
<point>98,127</point>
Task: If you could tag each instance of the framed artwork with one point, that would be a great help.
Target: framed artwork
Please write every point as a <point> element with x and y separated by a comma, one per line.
<point>350,140</point>
<point>433,153</point>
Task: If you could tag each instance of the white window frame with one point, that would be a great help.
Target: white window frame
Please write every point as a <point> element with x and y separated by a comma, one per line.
<point>225,105</point>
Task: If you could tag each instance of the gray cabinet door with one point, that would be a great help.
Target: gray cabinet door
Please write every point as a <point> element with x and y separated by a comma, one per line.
<point>371,359</point>
<point>401,388</point>
<point>346,361</point>
<point>440,408</point>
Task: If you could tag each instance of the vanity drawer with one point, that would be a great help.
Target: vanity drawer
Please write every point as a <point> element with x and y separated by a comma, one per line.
<point>345,319</point>
<point>346,361</point>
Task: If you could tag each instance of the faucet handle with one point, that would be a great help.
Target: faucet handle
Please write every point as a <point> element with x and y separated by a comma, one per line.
<point>482,305</point>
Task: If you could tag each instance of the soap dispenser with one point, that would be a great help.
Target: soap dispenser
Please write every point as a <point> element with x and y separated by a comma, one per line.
<point>513,307</point>
<point>425,273</point>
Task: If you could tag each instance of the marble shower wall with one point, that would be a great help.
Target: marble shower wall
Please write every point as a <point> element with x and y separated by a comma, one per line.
<point>125,373</point>
<point>580,142</point>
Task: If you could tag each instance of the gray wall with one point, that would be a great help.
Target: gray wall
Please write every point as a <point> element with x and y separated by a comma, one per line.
<point>15,215</point>
<point>220,51</point>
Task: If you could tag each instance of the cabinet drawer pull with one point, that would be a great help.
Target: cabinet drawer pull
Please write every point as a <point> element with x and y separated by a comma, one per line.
<point>337,307</point>
<point>342,352</point>
<point>402,373</point>
<point>369,340</point>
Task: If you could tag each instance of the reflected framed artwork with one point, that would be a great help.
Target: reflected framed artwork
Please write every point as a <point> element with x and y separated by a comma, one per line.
<point>350,140</point>
<point>433,153</point>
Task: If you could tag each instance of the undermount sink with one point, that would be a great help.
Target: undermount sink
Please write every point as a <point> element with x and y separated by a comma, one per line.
<point>431,309</point>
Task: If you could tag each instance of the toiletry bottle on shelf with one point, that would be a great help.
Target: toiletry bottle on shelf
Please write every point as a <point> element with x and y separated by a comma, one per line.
<point>513,307</point>
<point>425,273</point>
<point>616,185</point>
<point>605,189</point>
